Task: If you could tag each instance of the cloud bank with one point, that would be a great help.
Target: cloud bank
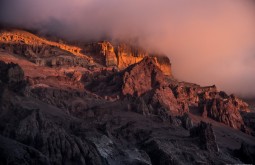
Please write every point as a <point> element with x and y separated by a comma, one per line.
<point>208,42</point>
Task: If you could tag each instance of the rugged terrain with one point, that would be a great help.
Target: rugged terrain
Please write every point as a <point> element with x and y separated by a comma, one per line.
<point>111,103</point>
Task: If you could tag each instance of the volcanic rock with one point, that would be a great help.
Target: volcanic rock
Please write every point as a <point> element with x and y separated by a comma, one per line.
<point>140,78</point>
<point>101,52</point>
<point>122,109</point>
<point>163,97</point>
<point>206,136</point>
<point>223,111</point>
<point>122,55</point>
<point>12,75</point>
<point>187,122</point>
<point>246,153</point>
<point>42,51</point>
<point>12,152</point>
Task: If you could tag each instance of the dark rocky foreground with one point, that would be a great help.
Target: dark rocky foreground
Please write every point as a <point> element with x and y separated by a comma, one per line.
<point>103,115</point>
<point>56,126</point>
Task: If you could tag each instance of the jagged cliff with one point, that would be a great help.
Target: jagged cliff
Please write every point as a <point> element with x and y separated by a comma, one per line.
<point>42,51</point>
<point>46,52</point>
<point>23,37</point>
<point>123,55</point>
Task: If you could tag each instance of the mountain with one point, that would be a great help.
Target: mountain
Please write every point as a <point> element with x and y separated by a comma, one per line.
<point>48,53</point>
<point>111,103</point>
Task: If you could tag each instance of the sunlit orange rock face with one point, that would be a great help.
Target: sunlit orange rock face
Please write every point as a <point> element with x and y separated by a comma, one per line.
<point>38,45</point>
<point>122,55</point>
<point>106,53</point>
<point>107,50</point>
<point>164,65</point>
<point>128,55</point>
<point>41,51</point>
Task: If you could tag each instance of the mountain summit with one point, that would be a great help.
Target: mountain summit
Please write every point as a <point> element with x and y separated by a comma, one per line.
<point>111,103</point>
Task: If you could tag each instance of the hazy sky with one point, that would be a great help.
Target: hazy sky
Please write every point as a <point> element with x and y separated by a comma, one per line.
<point>208,41</point>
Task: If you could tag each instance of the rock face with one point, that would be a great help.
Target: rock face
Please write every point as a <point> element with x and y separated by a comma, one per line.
<point>19,37</point>
<point>187,122</point>
<point>249,120</point>
<point>128,54</point>
<point>12,75</point>
<point>212,103</point>
<point>41,51</point>
<point>206,136</point>
<point>12,152</point>
<point>123,55</point>
<point>246,153</point>
<point>102,52</point>
<point>224,109</point>
<point>147,80</point>
<point>149,77</point>
<point>164,64</point>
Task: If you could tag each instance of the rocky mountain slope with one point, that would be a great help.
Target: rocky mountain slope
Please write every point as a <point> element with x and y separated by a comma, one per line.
<point>48,53</point>
<point>111,103</point>
<point>123,55</point>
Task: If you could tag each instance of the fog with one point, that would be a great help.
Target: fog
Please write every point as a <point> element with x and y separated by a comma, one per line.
<point>208,42</point>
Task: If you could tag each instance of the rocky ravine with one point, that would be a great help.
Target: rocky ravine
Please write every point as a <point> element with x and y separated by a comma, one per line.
<point>79,114</point>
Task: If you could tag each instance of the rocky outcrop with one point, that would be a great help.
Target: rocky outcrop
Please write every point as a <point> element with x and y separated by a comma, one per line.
<point>206,136</point>
<point>187,122</point>
<point>163,97</point>
<point>246,153</point>
<point>35,129</point>
<point>12,75</point>
<point>42,51</point>
<point>102,53</point>
<point>12,152</point>
<point>223,110</point>
<point>141,78</point>
<point>160,152</point>
<point>23,38</point>
<point>249,121</point>
<point>212,103</point>
<point>128,54</point>
<point>186,94</point>
<point>123,55</point>
<point>147,80</point>
<point>164,64</point>
<point>108,51</point>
